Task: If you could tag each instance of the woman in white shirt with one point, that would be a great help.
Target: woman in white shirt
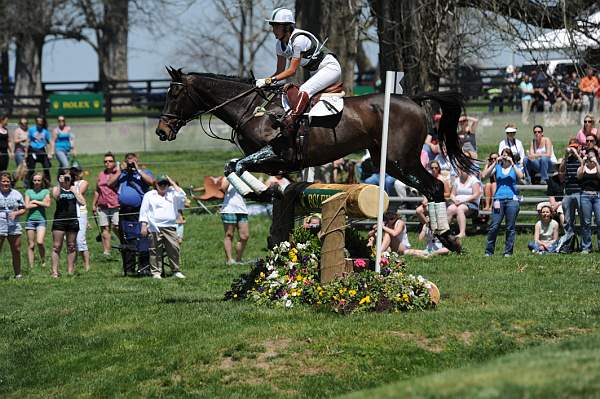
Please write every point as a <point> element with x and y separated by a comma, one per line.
<point>465,196</point>
<point>515,145</point>
<point>234,215</point>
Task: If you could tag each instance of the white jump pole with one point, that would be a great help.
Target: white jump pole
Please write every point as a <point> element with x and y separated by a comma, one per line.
<point>390,81</point>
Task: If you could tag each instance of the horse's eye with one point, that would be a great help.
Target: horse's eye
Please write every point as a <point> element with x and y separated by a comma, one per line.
<point>174,90</point>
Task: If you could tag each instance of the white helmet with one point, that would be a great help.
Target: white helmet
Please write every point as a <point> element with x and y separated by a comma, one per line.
<point>282,16</point>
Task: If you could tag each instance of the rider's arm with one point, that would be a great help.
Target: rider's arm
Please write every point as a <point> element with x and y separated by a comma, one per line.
<point>290,71</point>
<point>280,65</point>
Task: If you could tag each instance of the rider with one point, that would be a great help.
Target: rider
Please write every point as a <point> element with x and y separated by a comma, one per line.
<point>302,48</point>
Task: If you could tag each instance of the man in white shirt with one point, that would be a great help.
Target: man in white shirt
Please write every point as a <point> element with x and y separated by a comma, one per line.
<point>158,216</point>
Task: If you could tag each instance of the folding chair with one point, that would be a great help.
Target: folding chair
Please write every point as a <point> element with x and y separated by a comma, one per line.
<point>212,190</point>
<point>134,242</point>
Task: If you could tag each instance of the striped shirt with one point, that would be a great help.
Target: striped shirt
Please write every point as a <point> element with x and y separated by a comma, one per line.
<point>572,185</point>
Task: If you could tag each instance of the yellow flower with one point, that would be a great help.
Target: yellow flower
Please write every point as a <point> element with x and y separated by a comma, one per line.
<point>321,293</point>
<point>366,299</point>
<point>405,297</point>
<point>262,275</point>
<point>352,292</point>
<point>235,295</point>
<point>298,278</point>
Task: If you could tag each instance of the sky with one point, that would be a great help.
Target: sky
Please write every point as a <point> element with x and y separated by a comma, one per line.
<point>148,54</point>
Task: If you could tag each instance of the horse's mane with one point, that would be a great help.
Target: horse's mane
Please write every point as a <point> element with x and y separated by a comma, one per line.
<point>222,77</point>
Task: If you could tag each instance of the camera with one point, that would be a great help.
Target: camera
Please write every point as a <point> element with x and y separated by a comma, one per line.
<point>66,178</point>
<point>130,166</point>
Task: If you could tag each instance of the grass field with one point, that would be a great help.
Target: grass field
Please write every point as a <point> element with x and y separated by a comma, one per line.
<point>521,327</point>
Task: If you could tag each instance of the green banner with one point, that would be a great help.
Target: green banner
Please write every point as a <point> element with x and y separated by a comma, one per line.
<point>79,104</point>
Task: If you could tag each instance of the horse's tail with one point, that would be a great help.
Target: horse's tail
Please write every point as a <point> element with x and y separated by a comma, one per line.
<point>452,106</point>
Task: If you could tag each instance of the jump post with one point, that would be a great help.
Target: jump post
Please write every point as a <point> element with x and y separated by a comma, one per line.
<point>335,202</point>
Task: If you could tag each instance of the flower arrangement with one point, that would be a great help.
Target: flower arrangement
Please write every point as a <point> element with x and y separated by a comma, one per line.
<point>289,276</point>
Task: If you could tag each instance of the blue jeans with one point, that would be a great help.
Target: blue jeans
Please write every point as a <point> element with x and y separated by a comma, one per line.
<point>62,157</point>
<point>541,165</point>
<point>429,152</point>
<point>590,201</point>
<point>510,209</point>
<point>570,203</point>
<point>389,183</point>
<point>533,246</point>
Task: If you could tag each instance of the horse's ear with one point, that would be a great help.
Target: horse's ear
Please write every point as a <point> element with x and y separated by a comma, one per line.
<point>179,74</point>
<point>170,71</point>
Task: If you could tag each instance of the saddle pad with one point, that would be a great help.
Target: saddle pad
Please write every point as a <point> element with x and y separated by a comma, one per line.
<point>327,106</point>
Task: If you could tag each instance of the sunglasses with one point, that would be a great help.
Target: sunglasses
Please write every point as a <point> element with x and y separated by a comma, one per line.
<point>108,160</point>
<point>435,167</point>
<point>588,121</point>
<point>590,141</point>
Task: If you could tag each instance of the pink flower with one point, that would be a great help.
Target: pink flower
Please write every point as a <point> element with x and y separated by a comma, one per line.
<point>360,263</point>
<point>384,261</point>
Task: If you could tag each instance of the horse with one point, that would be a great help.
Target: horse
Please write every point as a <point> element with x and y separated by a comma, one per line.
<point>234,100</point>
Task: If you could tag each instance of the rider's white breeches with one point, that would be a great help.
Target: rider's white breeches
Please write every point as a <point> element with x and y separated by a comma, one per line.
<point>328,73</point>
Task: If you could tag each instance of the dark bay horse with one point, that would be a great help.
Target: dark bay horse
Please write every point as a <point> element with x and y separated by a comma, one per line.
<point>359,128</point>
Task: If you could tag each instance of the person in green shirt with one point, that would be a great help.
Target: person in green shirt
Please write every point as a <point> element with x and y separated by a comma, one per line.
<point>37,199</point>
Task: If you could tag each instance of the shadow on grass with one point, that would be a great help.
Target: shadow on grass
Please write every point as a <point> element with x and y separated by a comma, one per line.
<point>188,300</point>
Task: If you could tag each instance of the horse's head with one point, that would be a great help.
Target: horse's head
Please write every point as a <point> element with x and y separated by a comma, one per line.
<point>179,107</point>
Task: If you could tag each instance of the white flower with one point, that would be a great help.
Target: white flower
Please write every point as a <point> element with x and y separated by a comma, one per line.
<point>301,246</point>
<point>288,303</point>
<point>294,284</point>
<point>285,246</point>
<point>273,275</point>
<point>420,279</point>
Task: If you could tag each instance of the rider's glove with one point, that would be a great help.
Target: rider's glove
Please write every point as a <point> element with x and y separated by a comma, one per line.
<point>264,82</point>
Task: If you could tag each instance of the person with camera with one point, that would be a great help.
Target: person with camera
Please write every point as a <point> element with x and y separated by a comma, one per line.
<point>133,182</point>
<point>39,138</point>
<point>65,223</point>
<point>568,172</point>
<point>105,204</point>
<point>158,216</point>
<point>506,200</point>
<point>588,174</point>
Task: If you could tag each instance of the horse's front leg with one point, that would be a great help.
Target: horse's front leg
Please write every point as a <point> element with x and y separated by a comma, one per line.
<point>256,160</point>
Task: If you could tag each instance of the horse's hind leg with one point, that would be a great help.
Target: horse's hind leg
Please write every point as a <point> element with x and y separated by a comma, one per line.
<point>433,189</point>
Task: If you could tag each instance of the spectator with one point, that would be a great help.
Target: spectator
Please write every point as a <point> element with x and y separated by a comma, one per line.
<point>133,183</point>
<point>434,246</point>
<point>490,187</point>
<point>38,137</point>
<point>81,187</point>
<point>588,85</point>
<point>590,142</point>
<point>465,196</point>
<point>312,223</point>
<point>158,216</point>
<point>526,88</point>
<point>540,83</point>
<point>11,207</point>
<point>65,221</point>
<point>63,142</point>
<point>388,185</point>
<point>234,215</point>
<point>37,199</point>
<point>20,141</point>
<point>568,171</point>
<point>545,236</point>
<point>563,99</point>
<point>421,210</point>
<point>506,202</point>
<point>431,145</point>
<point>541,155</point>
<point>466,135</point>
<point>589,176</point>
<point>105,204</point>
<point>395,235</point>
<point>555,192</point>
<point>514,144</point>
<point>587,129</point>
<point>447,171</point>
<point>5,150</point>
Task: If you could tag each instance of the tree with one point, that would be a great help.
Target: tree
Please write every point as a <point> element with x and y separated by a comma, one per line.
<point>210,45</point>
<point>424,38</point>
<point>338,22</point>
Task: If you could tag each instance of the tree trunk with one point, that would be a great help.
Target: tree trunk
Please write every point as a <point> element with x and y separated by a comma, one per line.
<point>112,41</point>
<point>337,21</point>
<point>28,65</point>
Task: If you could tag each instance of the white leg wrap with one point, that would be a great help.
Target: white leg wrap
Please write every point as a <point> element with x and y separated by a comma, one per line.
<point>256,185</point>
<point>238,184</point>
<point>442,216</point>
<point>433,222</point>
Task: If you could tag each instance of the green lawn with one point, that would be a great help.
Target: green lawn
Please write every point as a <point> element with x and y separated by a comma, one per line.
<point>516,327</point>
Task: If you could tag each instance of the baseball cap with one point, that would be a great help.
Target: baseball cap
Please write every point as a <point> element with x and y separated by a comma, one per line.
<point>510,130</point>
<point>76,165</point>
<point>162,179</point>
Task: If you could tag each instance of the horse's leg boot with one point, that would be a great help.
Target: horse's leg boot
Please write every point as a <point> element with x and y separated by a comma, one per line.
<point>433,223</point>
<point>442,216</point>
<point>256,185</point>
<point>238,184</point>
